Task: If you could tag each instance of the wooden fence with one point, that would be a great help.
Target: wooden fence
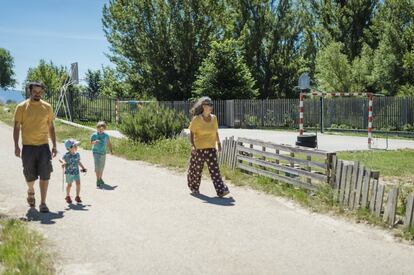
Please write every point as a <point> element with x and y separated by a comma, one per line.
<point>354,186</point>
<point>357,187</point>
<point>228,154</point>
<point>298,166</point>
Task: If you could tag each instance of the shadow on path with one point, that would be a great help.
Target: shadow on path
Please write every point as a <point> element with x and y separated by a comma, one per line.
<point>44,218</point>
<point>216,200</point>
<point>105,186</point>
<point>78,207</point>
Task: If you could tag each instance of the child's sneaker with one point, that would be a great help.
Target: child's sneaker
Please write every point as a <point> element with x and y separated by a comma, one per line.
<point>78,199</point>
<point>102,182</point>
<point>68,199</point>
<point>98,183</point>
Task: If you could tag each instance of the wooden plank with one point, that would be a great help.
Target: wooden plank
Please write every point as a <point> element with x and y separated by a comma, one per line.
<point>333,170</point>
<point>348,184</point>
<point>225,151</point>
<point>343,183</point>
<point>285,169</point>
<point>354,180</point>
<point>359,184</point>
<point>308,168</point>
<point>277,161</point>
<point>409,209</point>
<point>379,200</point>
<point>391,208</point>
<point>264,158</point>
<point>251,155</point>
<point>338,177</point>
<point>365,188</point>
<point>275,176</point>
<point>374,190</point>
<point>285,147</point>
<point>233,153</point>
<point>281,157</point>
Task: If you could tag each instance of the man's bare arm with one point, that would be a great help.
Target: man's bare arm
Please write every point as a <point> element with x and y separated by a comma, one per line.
<point>52,134</point>
<point>16,136</point>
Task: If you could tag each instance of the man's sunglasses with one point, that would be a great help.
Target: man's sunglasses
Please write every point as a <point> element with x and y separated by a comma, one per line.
<point>208,104</point>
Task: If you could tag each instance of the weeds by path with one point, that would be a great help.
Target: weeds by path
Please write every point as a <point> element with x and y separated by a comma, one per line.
<point>22,250</point>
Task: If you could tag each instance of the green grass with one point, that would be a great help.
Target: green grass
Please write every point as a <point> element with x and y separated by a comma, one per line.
<point>22,250</point>
<point>173,153</point>
<point>399,163</point>
<point>6,113</point>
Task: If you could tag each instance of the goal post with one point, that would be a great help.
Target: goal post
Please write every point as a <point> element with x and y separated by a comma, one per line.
<point>370,97</point>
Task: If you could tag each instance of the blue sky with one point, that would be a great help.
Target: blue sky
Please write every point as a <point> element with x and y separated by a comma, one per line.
<point>62,31</point>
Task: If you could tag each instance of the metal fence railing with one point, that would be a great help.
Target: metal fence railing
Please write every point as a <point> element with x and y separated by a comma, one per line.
<point>392,113</point>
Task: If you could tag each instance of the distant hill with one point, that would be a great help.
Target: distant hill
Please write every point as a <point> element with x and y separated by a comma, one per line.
<point>11,95</point>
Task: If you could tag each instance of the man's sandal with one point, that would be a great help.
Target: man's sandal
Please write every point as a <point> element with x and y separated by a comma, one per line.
<point>31,199</point>
<point>43,208</point>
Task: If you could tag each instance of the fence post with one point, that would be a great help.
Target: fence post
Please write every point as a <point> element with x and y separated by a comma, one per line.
<point>408,221</point>
<point>117,111</point>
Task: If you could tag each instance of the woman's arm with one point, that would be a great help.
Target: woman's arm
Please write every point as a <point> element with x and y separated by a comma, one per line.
<point>218,142</point>
<point>192,141</point>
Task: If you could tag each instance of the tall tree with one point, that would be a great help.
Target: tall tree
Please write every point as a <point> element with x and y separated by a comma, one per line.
<point>51,75</point>
<point>114,84</point>
<point>270,32</point>
<point>224,74</point>
<point>333,71</point>
<point>93,79</point>
<point>160,44</point>
<point>393,30</point>
<point>347,22</point>
<point>6,69</point>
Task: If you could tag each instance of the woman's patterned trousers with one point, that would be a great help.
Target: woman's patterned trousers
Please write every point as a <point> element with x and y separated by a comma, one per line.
<point>198,157</point>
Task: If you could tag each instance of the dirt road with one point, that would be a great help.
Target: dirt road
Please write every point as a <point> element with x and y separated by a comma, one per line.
<point>147,223</point>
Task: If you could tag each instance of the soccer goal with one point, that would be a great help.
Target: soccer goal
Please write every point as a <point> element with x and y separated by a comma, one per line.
<point>314,93</point>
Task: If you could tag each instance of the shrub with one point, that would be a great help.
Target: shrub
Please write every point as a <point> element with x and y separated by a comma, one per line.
<point>152,122</point>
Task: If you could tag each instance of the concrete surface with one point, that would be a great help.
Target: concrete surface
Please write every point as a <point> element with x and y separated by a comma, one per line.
<point>145,222</point>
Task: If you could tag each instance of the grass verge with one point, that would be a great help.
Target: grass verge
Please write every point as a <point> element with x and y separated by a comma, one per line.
<point>22,250</point>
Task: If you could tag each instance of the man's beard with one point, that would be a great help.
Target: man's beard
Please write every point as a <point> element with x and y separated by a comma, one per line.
<point>36,98</point>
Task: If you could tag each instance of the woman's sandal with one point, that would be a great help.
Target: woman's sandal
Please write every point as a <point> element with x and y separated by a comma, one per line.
<point>31,199</point>
<point>43,208</point>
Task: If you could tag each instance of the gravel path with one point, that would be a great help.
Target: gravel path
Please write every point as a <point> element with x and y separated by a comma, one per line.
<point>147,223</point>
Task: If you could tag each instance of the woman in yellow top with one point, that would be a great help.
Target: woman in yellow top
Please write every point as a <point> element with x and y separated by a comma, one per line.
<point>204,137</point>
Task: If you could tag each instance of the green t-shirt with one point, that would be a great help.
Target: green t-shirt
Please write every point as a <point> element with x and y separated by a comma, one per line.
<point>100,147</point>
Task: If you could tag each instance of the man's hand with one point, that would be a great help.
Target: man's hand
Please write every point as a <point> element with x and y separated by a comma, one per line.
<point>54,152</point>
<point>219,147</point>
<point>17,151</point>
<point>95,141</point>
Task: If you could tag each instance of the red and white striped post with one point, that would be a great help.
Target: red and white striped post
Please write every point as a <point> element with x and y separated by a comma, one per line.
<point>370,118</point>
<point>338,94</point>
<point>301,109</point>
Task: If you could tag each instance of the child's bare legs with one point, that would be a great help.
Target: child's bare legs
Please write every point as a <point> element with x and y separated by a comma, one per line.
<point>78,188</point>
<point>68,187</point>
<point>99,175</point>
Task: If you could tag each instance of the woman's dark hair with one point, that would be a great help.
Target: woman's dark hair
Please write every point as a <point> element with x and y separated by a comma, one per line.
<point>197,108</point>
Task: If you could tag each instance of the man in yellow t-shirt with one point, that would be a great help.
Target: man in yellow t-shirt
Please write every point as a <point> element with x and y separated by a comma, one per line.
<point>34,118</point>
